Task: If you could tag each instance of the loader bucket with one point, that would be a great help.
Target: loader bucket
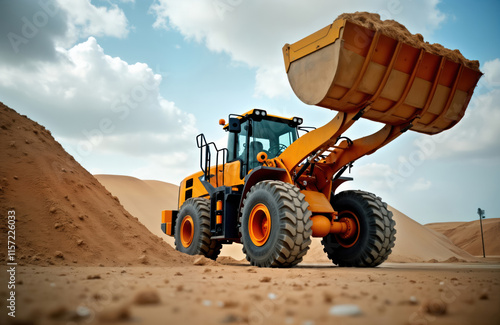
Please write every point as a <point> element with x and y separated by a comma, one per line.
<point>348,67</point>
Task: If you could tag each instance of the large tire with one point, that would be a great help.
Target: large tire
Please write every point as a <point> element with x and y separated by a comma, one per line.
<point>286,238</point>
<point>373,242</point>
<point>192,229</point>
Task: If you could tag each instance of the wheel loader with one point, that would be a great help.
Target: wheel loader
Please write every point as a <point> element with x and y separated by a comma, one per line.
<point>271,190</point>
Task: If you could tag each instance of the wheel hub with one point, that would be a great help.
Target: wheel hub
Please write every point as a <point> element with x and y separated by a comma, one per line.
<point>187,231</point>
<point>351,235</point>
<point>259,224</point>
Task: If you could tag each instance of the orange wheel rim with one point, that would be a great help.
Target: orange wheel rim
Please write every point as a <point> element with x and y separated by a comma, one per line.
<point>187,231</point>
<point>351,236</point>
<point>259,224</point>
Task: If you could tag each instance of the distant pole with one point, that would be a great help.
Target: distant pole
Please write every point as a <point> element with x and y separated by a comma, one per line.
<point>481,216</point>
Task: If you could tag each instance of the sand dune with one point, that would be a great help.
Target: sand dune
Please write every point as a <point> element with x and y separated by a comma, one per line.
<point>145,199</point>
<point>64,216</point>
<point>467,236</point>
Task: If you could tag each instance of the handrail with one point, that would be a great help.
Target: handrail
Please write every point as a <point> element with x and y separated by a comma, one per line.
<point>205,164</point>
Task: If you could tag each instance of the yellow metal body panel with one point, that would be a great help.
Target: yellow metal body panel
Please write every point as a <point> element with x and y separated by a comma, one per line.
<point>166,218</point>
<point>318,203</point>
<point>231,178</point>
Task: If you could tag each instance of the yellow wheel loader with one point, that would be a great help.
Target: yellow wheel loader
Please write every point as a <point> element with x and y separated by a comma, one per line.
<point>271,190</point>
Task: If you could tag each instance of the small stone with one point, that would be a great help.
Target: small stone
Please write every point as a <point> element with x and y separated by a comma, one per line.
<point>272,296</point>
<point>82,311</point>
<point>57,225</point>
<point>79,242</point>
<point>12,144</point>
<point>63,170</point>
<point>484,295</point>
<point>435,307</point>
<point>327,297</point>
<point>413,300</point>
<point>231,318</point>
<point>265,279</point>
<point>200,260</point>
<point>93,277</point>
<point>16,178</point>
<point>345,310</point>
<point>178,274</point>
<point>53,210</point>
<point>147,296</point>
<point>59,254</point>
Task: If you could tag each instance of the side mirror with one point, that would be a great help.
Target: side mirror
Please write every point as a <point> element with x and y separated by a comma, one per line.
<point>234,125</point>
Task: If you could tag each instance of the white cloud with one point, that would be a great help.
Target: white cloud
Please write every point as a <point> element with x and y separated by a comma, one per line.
<point>271,82</point>
<point>492,73</point>
<point>375,176</point>
<point>253,32</point>
<point>98,103</point>
<point>421,184</point>
<point>85,19</point>
<point>31,30</point>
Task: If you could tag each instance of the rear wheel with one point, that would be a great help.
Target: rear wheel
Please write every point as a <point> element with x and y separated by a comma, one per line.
<point>371,233</point>
<point>275,225</point>
<point>192,229</point>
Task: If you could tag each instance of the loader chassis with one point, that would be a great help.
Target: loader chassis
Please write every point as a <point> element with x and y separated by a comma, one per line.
<point>256,200</point>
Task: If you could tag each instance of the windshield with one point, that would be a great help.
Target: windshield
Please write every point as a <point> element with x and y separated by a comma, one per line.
<point>272,137</point>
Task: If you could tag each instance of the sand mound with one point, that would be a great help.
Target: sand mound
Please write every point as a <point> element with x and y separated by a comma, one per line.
<point>417,243</point>
<point>398,31</point>
<point>145,199</point>
<point>467,236</point>
<point>63,214</point>
<point>414,244</point>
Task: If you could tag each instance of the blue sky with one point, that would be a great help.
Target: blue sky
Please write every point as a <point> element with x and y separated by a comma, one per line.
<point>125,86</point>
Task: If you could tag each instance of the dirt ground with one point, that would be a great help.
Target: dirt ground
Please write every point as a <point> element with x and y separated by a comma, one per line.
<point>237,293</point>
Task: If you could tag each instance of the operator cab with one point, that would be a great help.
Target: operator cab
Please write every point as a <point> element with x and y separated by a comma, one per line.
<point>255,132</point>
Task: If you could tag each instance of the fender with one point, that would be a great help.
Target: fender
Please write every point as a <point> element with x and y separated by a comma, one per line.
<point>263,173</point>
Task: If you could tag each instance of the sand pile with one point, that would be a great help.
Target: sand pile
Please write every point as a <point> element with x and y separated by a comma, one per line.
<point>467,235</point>
<point>145,199</point>
<point>398,31</point>
<point>414,244</point>
<point>63,214</point>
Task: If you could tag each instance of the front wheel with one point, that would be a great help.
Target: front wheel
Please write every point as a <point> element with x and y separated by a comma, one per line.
<point>275,225</point>
<point>192,229</point>
<point>371,236</point>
